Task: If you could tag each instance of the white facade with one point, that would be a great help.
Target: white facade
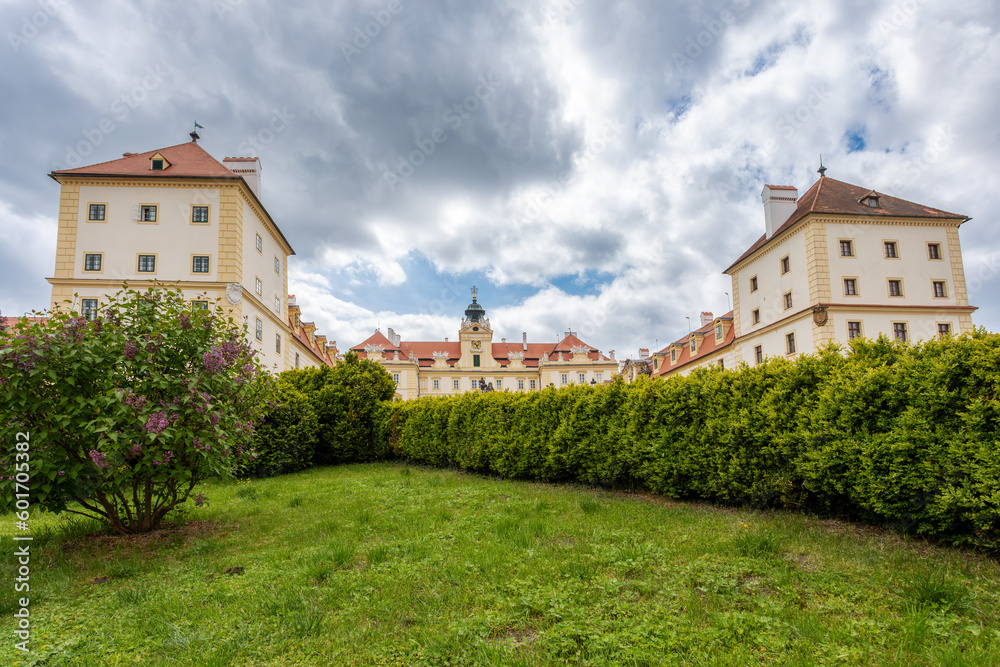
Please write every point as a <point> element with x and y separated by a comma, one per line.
<point>179,218</point>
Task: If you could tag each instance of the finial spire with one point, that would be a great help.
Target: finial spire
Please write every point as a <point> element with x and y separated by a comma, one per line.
<point>194,132</point>
<point>822,170</point>
<point>475,291</point>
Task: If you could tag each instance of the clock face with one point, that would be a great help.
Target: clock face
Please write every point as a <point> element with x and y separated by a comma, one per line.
<point>477,345</point>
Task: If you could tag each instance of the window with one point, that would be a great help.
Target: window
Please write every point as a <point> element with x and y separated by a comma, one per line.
<point>871,201</point>
<point>944,329</point>
<point>850,286</point>
<point>940,290</point>
<point>565,378</point>
<point>758,354</point>
<point>147,213</point>
<point>260,243</point>
<point>531,384</point>
<point>718,331</point>
<point>88,308</point>
<point>891,250</point>
<point>786,265</point>
<point>258,287</point>
<point>895,287</point>
<point>583,378</point>
<point>475,360</point>
<point>395,378</point>
<point>296,320</point>
<point>277,266</point>
<point>437,384</point>
<point>200,304</point>
<point>933,251</point>
<point>599,377</point>
<point>753,284</point>
<point>722,364</point>
<point>673,355</point>
<point>199,214</point>
<point>277,342</point>
<point>790,343</point>
<point>899,331</point>
<point>199,264</point>
<point>92,261</point>
<point>96,212</point>
<point>454,384</point>
<point>499,384</point>
<point>520,385</point>
<point>473,384</point>
<point>147,264</point>
<point>694,345</point>
<point>788,300</point>
<point>296,359</point>
<point>260,329</point>
<point>756,315</point>
<point>277,305</point>
<point>853,330</point>
<point>846,248</point>
<point>156,165</point>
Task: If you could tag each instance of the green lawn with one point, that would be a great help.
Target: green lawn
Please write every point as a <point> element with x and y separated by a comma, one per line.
<point>392,565</point>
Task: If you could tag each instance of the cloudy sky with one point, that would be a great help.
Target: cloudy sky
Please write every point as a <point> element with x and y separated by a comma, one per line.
<point>587,163</point>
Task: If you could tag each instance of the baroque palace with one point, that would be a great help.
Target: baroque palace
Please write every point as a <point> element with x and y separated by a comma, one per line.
<point>839,262</point>
<point>476,362</point>
<point>176,216</point>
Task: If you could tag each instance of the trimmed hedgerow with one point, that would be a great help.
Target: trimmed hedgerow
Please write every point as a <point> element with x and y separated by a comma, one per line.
<point>285,441</point>
<point>899,435</point>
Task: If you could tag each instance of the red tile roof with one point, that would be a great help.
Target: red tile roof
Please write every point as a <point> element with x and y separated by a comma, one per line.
<point>186,160</point>
<point>303,337</point>
<point>424,350</point>
<point>707,346</point>
<point>828,195</point>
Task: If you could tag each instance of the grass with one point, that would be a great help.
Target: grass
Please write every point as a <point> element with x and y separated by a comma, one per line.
<point>393,565</point>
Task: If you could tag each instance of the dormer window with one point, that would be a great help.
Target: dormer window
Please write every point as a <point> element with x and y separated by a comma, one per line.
<point>694,345</point>
<point>870,200</point>
<point>158,163</point>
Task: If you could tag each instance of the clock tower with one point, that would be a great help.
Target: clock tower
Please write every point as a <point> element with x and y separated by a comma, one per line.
<point>476,338</point>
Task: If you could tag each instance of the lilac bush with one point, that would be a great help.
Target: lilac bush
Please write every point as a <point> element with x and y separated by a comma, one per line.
<point>127,412</point>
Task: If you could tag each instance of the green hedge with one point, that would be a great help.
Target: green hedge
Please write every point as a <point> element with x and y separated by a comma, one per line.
<point>899,435</point>
<point>285,440</point>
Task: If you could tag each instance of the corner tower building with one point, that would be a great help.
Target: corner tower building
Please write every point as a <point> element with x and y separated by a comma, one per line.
<point>179,217</point>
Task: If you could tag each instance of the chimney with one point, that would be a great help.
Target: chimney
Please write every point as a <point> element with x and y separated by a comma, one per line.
<point>446,339</point>
<point>706,318</point>
<point>779,204</point>
<point>644,353</point>
<point>248,168</point>
<point>503,340</point>
<point>524,341</point>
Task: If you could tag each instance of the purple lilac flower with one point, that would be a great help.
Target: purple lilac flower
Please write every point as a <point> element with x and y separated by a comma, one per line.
<point>132,400</point>
<point>131,347</point>
<point>185,321</point>
<point>136,450</point>
<point>99,459</point>
<point>157,422</point>
<point>199,500</point>
<point>62,472</point>
<point>213,361</point>
<point>214,418</point>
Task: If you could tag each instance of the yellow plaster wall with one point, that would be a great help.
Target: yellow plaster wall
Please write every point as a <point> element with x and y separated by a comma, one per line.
<point>230,236</point>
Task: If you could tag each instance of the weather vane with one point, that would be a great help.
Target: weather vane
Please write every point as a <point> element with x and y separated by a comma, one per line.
<point>475,291</point>
<point>194,132</point>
